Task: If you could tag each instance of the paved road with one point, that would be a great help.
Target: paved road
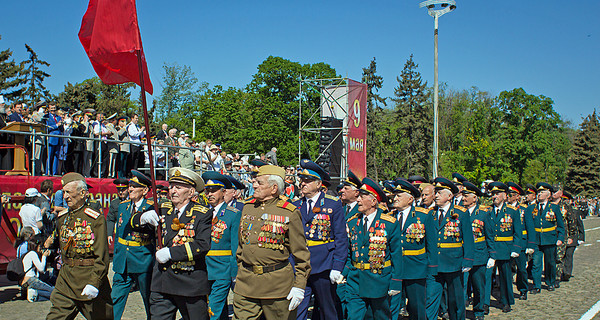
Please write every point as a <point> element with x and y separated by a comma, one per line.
<point>571,301</point>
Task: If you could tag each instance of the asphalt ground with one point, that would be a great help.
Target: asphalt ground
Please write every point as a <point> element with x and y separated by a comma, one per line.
<point>572,300</point>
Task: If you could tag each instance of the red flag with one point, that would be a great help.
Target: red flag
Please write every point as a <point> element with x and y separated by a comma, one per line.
<point>111,38</point>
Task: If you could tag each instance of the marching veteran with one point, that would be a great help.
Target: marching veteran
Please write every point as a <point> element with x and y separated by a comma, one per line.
<point>375,256</point>
<point>134,244</point>
<point>220,260</point>
<point>270,233</point>
<point>179,278</point>
<point>419,243</point>
<point>483,236</point>
<point>548,233</point>
<point>82,284</point>
<point>455,257</point>
<point>325,232</point>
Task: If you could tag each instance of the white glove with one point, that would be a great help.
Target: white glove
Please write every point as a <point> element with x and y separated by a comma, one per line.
<point>393,292</point>
<point>514,254</point>
<point>149,217</point>
<point>580,242</point>
<point>295,296</point>
<point>529,251</point>
<point>335,276</point>
<point>490,264</point>
<point>89,291</point>
<point>466,269</point>
<point>163,255</point>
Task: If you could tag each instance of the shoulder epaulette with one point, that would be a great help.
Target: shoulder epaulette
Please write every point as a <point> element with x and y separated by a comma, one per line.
<point>354,216</point>
<point>150,202</point>
<point>166,204</point>
<point>250,200</point>
<point>286,205</point>
<point>461,208</point>
<point>63,212</point>
<point>328,196</point>
<point>389,218</point>
<point>91,212</point>
<point>200,208</point>
<point>382,206</point>
<point>125,201</point>
<point>522,205</point>
<point>282,197</point>
<point>234,209</point>
<point>484,208</point>
<point>421,209</point>
<point>511,207</point>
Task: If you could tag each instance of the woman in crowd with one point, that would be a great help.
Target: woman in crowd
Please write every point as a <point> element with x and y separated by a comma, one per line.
<point>34,263</point>
<point>21,244</point>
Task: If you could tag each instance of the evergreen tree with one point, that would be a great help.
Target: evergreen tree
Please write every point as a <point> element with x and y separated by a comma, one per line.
<point>375,146</point>
<point>9,76</point>
<point>34,78</point>
<point>414,120</point>
<point>583,172</point>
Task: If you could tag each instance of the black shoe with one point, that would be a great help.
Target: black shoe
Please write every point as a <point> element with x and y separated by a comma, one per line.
<point>565,277</point>
<point>557,285</point>
<point>446,316</point>
<point>506,308</point>
<point>550,288</point>
<point>523,296</point>
<point>486,309</point>
<point>403,312</point>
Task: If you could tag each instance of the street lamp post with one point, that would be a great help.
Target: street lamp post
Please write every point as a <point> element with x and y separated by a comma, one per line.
<point>436,9</point>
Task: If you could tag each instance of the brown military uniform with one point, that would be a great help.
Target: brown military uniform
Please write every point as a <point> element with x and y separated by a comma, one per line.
<point>81,235</point>
<point>571,232</point>
<point>269,232</point>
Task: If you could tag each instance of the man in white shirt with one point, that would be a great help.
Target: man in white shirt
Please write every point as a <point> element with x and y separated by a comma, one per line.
<point>31,216</point>
<point>135,134</point>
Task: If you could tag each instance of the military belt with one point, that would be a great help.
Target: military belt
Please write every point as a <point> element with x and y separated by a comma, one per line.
<point>480,239</point>
<point>413,252</point>
<point>132,243</point>
<point>79,262</point>
<point>367,266</point>
<point>545,229</point>
<point>312,243</point>
<point>503,239</point>
<point>218,253</point>
<point>265,269</point>
<point>450,245</point>
<point>524,232</point>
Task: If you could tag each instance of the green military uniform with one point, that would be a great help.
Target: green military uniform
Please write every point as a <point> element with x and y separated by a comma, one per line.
<point>270,231</point>
<point>571,232</point>
<point>81,234</point>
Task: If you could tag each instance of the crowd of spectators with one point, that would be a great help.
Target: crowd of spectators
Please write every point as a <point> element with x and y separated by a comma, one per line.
<point>110,146</point>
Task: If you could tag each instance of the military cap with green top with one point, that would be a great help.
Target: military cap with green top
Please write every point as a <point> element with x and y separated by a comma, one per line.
<point>139,179</point>
<point>213,179</point>
<point>529,188</point>
<point>542,186</point>
<point>441,183</point>
<point>371,187</point>
<point>121,183</point>
<point>497,186</point>
<point>187,177</point>
<point>70,177</point>
<point>405,186</point>
<point>416,179</point>
<point>458,178</point>
<point>235,183</point>
<point>471,188</point>
<point>352,180</point>
<point>513,187</point>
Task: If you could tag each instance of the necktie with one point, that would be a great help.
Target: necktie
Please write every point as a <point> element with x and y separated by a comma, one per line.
<point>441,216</point>
<point>309,207</point>
<point>365,221</point>
<point>496,209</point>
<point>177,212</point>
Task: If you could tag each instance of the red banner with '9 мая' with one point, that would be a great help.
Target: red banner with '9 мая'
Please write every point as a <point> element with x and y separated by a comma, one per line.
<point>357,128</point>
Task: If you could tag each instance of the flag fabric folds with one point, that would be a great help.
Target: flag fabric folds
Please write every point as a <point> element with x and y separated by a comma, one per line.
<point>111,38</point>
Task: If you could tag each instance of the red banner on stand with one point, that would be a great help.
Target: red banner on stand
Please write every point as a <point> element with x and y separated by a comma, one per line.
<point>357,128</point>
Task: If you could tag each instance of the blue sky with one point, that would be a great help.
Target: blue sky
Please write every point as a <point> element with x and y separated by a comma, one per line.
<point>547,47</point>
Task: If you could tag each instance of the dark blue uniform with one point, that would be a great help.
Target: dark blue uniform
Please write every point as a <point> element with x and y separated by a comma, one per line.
<point>220,260</point>
<point>327,240</point>
<point>548,228</point>
<point>483,248</point>
<point>341,288</point>
<point>133,258</point>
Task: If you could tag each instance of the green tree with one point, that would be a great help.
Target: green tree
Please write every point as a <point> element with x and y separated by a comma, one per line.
<point>376,127</point>
<point>34,78</point>
<point>583,172</point>
<point>94,94</point>
<point>414,120</point>
<point>10,72</point>
<point>179,97</point>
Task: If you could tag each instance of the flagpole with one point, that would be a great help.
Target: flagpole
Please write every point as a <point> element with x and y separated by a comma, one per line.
<point>149,143</point>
